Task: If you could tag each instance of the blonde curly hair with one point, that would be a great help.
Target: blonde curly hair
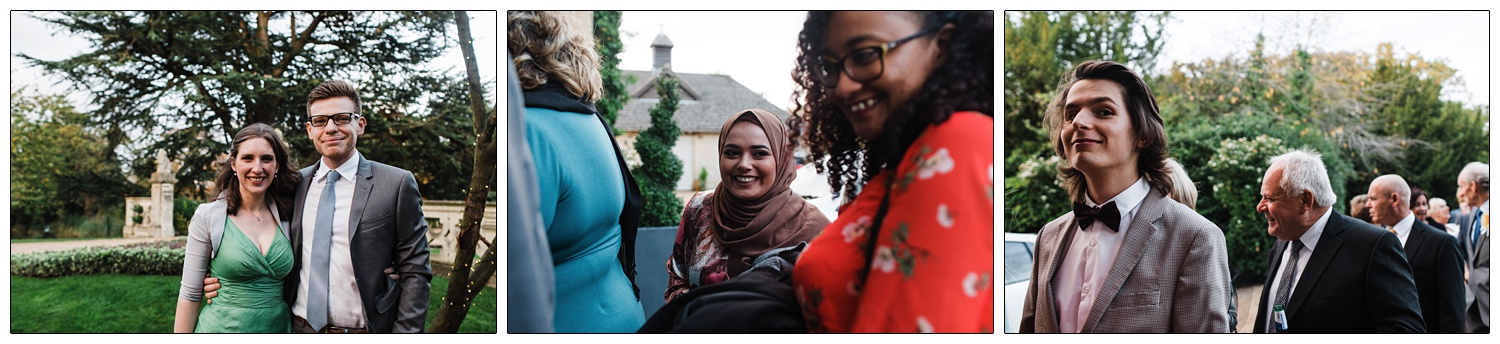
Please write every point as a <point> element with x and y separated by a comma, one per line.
<point>545,48</point>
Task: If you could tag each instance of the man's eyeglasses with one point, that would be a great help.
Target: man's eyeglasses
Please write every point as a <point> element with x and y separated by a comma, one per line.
<point>342,118</point>
<point>861,65</point>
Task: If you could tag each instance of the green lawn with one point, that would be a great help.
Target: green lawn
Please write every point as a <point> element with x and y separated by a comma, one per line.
<point>145,304</point>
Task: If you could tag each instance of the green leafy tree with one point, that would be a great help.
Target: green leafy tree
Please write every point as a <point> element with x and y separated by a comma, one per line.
<point>185,81</point>
<point>1234,172</point>
<point>657,175</point>
<point>1438,137</point>
<point>55,168</point>
<point>1037,182</point>
<point>607,43</point>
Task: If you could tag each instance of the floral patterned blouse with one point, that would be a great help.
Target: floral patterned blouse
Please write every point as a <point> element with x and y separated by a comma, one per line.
<point>697,259</point>
<point>933,270</point>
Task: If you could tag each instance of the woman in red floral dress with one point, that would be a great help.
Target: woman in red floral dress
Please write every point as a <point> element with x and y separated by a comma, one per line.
<point>898,110</point>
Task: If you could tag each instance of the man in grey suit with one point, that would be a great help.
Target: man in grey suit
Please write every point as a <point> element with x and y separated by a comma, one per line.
<point>1328,273</point>
<point>1473,231</point>
<point>354,221</point>
<point>375,220</point>
<point>1140,262</point>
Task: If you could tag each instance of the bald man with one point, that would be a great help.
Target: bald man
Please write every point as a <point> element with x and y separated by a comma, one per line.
<point>1436,264</point>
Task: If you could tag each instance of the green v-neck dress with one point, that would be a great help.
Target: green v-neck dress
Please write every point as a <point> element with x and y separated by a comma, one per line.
<point>250,298</point>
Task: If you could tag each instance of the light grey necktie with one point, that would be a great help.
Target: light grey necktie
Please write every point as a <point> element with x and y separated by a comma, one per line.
<point>317,288</point>
<point>1288,277</point>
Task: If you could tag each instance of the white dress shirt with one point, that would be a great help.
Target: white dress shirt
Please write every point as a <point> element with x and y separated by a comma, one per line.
<point>1309,242</point>
<point>1403,228</point>
<point>345,308</point>
<point>1090,256</point>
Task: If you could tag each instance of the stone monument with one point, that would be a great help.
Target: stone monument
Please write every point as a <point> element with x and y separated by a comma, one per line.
<point>153,219</point>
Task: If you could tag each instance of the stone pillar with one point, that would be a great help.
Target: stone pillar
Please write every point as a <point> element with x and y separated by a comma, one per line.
<point>162,195</point>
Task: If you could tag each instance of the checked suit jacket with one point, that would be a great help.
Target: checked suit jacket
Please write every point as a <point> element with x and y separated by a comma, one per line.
<point>1171,275</point>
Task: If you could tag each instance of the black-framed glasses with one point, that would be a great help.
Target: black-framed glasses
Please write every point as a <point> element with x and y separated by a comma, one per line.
<point>342,118</point>
<point>863,64</point>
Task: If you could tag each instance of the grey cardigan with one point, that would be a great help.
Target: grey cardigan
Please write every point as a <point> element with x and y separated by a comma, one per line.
<point>205,233</point>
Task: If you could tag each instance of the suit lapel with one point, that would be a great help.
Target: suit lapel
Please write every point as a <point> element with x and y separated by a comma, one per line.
<point>1046,305</point>
<point>361,195</point>
<point>1328,246</point>
<point>1465,232</point>
<point>1142,228</point>
<point>1414,240</point>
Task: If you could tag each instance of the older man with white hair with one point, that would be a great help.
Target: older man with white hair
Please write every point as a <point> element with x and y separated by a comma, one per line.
<point>1327,272</point>
<point>1474,189</point>
<point>1438,213</point>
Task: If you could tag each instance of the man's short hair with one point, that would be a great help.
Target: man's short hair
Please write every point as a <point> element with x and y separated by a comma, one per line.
<point>1303,169</point>
<point>334,89</point>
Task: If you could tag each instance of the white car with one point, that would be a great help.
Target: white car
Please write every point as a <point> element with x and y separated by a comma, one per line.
<point>813,187</point>
<point>1019,250</point>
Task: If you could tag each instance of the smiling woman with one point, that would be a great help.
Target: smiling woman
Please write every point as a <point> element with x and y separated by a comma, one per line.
<point>751,212</point>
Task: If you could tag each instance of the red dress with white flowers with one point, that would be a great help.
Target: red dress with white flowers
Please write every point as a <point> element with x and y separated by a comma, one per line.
<point>933,270</point>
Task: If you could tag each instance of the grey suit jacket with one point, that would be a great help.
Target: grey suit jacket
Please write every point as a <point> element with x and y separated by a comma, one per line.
<point>1478,309</point>
<point>1465,236</point>
<point>388,229</point>
<point>1171,275</point>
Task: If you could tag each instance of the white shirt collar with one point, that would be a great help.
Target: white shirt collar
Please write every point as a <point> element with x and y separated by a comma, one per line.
<point>1310,238</point>
<point>346,171</point>
<point>1403,227</point>
<point>1127,199</point>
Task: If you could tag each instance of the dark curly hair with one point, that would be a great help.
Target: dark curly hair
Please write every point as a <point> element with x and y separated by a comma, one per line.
<point>962,81</point>
<point>283,185</point>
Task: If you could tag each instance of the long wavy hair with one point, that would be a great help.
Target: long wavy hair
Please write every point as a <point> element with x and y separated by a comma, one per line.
<point>962,81</point>
<point>1145,118</point>
<point>283,186</point>
<point>545,48</point>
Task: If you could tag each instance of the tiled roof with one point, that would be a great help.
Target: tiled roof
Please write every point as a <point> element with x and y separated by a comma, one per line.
<point>720,97</point>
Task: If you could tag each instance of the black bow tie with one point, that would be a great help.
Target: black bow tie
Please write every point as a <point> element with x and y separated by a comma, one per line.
<point>1108,213</point>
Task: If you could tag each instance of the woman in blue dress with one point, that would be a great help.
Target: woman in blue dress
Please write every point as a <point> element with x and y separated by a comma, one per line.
<point>581,188</point>
<point>241,238</point>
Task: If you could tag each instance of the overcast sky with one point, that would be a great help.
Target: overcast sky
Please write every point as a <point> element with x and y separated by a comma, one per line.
<point>757,48</point>
<point>1460,38</point>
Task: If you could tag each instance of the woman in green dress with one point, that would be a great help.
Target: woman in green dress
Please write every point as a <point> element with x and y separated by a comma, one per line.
<point>241,238</point>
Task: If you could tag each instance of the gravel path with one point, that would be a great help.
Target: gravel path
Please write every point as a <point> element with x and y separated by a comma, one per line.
<point>32,247</point>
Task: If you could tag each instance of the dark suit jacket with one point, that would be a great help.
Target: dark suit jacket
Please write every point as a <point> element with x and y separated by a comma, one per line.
<point>1171,275</point>
<point>1357,281</point>
<point>388,229</point>
<point>1437,267</point>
